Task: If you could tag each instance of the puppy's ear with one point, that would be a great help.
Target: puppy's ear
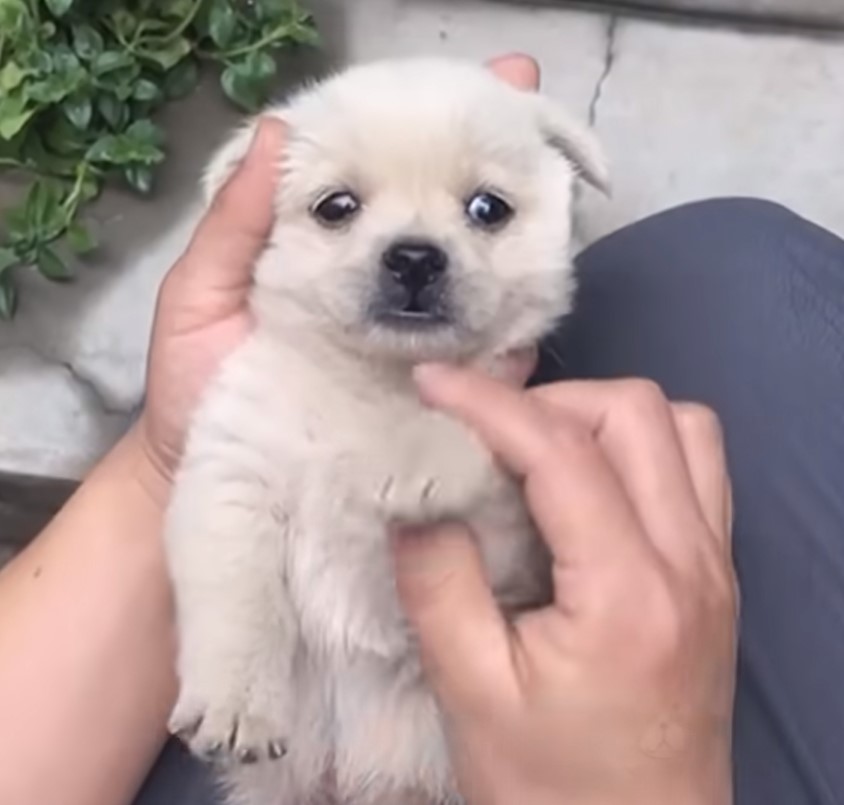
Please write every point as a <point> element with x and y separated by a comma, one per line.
<point>575,141</point>
<point>227,160</point>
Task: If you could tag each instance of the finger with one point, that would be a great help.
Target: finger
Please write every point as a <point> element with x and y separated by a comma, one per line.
<point>515,368</point>
<point>234,231</point>
<point>518,70</point>
<point>702,441</point>
<point>633,422</point>
<point>571,490</point>
<point>463,639</point>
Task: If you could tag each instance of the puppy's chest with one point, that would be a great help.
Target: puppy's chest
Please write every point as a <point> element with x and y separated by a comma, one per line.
<point>396,465</point>
<point>403,463</point>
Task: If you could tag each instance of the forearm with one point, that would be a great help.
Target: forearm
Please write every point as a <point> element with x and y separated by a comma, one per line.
<point>86,678</point>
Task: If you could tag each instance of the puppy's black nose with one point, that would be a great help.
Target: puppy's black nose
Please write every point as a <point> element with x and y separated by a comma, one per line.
<point>415,264</point>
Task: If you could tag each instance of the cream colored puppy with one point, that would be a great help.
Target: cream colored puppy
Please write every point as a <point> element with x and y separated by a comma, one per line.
<point>423,214</point>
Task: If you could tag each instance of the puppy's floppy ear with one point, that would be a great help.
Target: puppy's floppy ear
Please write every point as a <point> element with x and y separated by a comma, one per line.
<point>575,141</point>
<point>227,159</point>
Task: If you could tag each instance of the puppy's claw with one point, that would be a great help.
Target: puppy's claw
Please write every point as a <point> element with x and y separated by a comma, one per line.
<point>277,750</point>
<point>247,755</point>
<point>184,731</point>
<point>213,751</point>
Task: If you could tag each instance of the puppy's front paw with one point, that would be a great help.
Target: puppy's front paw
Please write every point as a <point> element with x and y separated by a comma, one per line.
<point>232,726</point>
<point>436,489</point>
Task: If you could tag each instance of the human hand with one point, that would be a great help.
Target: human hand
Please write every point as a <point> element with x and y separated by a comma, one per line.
<point>621,690</point>
<point>202,312</point>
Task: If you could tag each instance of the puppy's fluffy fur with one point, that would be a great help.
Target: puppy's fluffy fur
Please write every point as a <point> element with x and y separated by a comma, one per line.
<point>311,440</point>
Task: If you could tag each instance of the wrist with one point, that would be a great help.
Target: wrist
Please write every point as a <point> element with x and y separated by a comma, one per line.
<point>132,464</point>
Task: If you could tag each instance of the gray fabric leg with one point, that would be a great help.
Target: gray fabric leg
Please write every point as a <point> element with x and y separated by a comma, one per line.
<point>740,304</point>
<point>178,779</point>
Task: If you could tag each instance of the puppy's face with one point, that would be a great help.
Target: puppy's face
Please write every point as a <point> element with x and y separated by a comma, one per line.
<point>424,212</point>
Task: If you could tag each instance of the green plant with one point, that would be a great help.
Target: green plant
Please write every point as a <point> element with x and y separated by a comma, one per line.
<point>79,83</point>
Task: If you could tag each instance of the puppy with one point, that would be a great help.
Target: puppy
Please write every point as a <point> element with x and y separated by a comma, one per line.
<point>423,214</point>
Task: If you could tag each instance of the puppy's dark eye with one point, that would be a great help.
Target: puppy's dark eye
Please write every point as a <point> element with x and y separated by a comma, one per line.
<point>488,210</point>
<point>336,208</point>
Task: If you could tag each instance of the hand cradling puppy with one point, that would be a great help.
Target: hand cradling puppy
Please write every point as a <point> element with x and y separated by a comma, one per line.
<point>424,214</point>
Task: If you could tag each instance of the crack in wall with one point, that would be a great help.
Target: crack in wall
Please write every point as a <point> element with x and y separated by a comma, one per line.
<point>610,54</point>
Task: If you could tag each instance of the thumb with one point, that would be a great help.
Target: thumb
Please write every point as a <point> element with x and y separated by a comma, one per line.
<point>463,638</point>
<point>233,232</point>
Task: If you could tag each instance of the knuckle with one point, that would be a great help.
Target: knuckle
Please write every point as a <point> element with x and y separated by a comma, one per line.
<point>642,397</point>
<point>700,421</point>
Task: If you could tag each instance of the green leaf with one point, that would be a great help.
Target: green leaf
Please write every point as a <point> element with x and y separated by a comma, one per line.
<point>181,80</point>
<point>109,148</point>
<point>62,138</point>
<point>125,22</point>
<point>114,111</point>
<point>58,8</point>
<point>51,266</point>
<point>17,226</point>
<point>8,259</point>
<point>166,54</point>
<point>146,132</point>
<point>139,177</point>
<point>56,86</point>
<point>110,60</point>
<point>87,42</point>
<point>13,14</point>
<point>304,33</point>
<point>78,109</point>
<point>124,149</point>
<point>43,209</point>
<point>66,61</point>
<point>146,90</point>
<point>11,124</point>
<point>11,76</point>
<point>178,9</point>
<point>222,24</point>
<point>80,238</point>
<point>40,61</point>
<point>8,297</point>
<point>248,82</point>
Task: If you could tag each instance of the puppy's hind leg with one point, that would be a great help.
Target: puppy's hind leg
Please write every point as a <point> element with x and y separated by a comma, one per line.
<point>225,538</point>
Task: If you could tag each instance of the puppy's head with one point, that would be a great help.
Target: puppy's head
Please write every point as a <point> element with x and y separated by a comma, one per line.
<point>424,211</point>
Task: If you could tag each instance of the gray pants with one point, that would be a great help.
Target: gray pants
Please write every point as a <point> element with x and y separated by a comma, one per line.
<point>738,304</point>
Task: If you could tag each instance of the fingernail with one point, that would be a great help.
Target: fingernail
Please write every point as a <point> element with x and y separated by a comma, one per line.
<point>265,138</point>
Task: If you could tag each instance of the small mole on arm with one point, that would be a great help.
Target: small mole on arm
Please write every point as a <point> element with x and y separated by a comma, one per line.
<point>37,572</point>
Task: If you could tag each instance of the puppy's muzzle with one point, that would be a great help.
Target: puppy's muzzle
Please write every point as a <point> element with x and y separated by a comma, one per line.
<point>412,284</point>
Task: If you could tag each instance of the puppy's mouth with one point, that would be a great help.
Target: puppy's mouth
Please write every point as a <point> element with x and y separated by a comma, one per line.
<point>410,310</point>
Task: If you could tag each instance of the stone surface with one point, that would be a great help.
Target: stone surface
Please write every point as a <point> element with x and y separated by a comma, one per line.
<point>685,112</point>
<point>809,10</point>
<point>689,112</point>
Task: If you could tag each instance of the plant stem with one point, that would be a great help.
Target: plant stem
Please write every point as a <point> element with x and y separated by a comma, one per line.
<point>15,164</point>
<point>183,25</point>
<point>245,50</point>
